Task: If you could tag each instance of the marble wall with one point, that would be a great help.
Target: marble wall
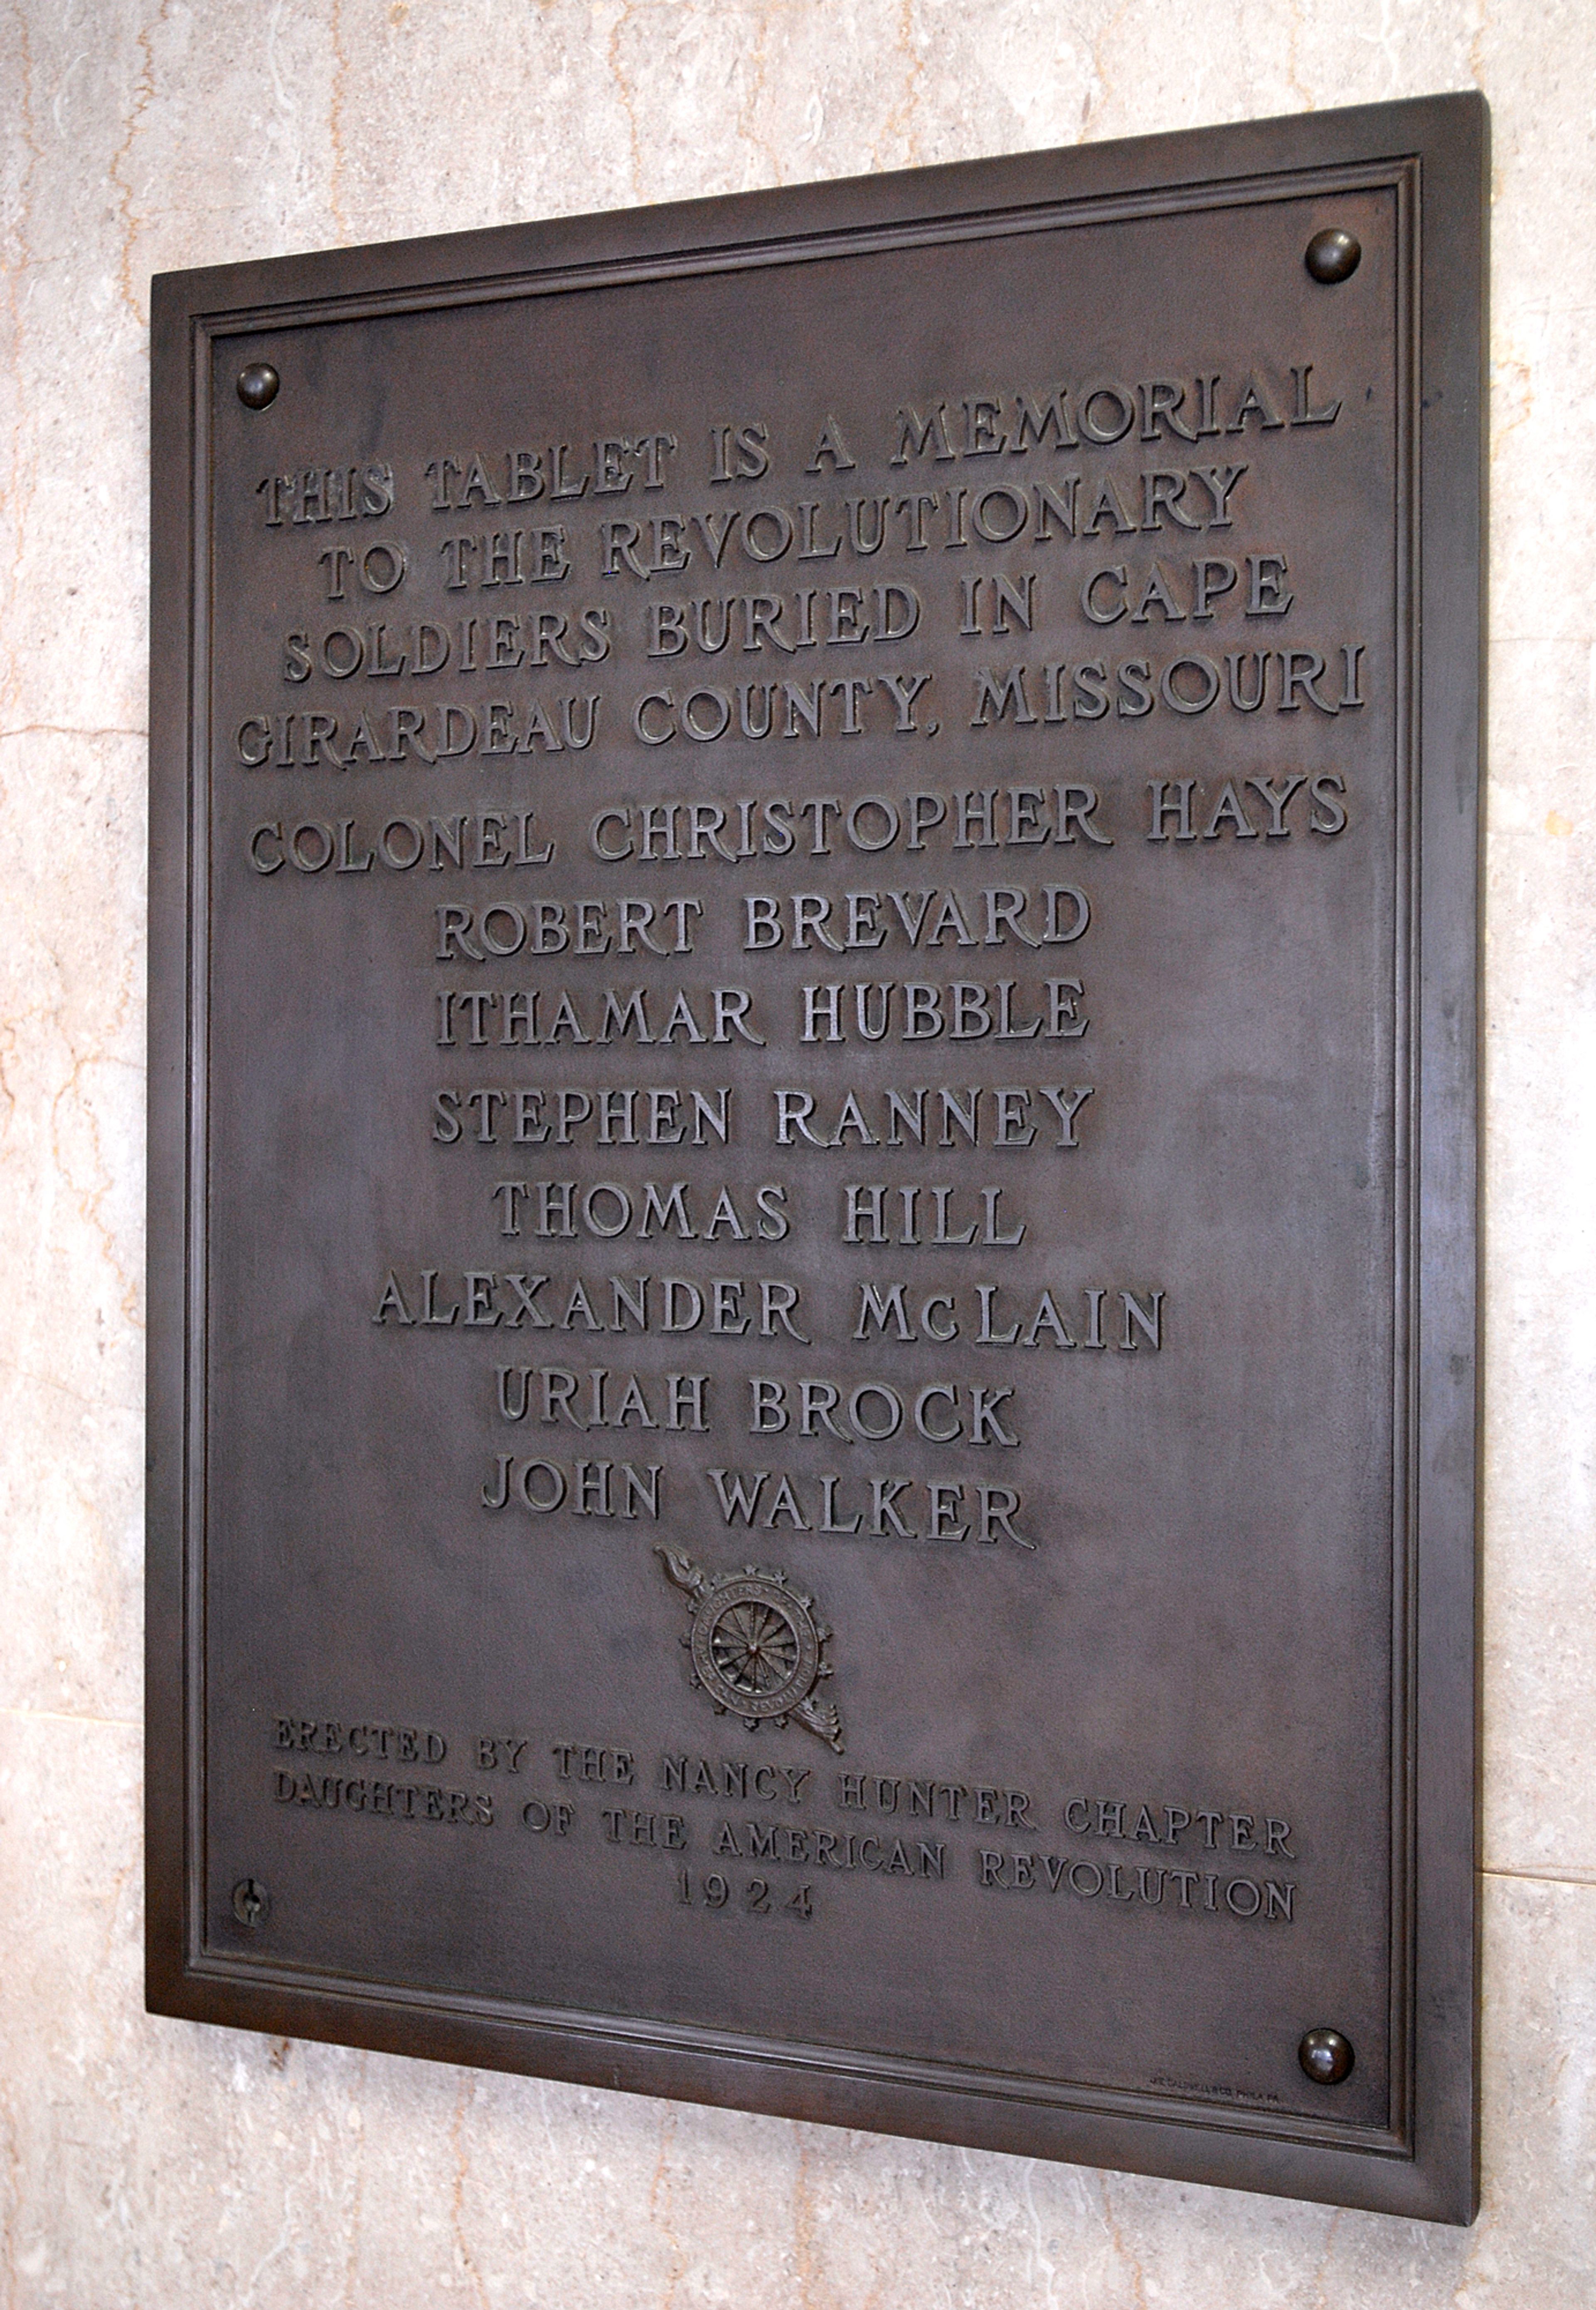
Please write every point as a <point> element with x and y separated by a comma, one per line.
<point>149,2162</point>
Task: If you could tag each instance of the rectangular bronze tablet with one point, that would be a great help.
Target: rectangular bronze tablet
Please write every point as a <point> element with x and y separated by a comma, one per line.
<point>812,1286</point>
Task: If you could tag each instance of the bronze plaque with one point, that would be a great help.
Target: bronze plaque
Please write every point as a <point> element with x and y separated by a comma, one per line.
<point>812,1336</point>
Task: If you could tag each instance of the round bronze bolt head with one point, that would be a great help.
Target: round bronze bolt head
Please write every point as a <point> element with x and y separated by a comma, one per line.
<point>251,1901</point>
<point>258,383</point>
<point>1326,2056</point>
<point>1331,256</point>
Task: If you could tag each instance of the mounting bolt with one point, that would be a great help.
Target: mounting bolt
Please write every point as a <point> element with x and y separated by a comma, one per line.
<point>1331,256</point>
<point>259,381</point>
<point>251,1901</point>
<point>1326,2056</point>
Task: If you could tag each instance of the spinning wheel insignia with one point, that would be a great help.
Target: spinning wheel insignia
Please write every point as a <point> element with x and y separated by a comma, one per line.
<point>758,1649</point>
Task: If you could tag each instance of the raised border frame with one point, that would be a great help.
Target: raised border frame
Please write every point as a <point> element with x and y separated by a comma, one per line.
<point>1435,151</point>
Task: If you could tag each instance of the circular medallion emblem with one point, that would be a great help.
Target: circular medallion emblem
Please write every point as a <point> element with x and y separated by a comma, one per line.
<point>755,1646</point>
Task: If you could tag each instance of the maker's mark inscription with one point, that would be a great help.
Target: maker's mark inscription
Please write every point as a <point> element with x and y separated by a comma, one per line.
<point>758,1649</point>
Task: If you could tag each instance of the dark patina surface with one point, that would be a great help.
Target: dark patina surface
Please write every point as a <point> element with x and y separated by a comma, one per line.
<point>812,1244</point>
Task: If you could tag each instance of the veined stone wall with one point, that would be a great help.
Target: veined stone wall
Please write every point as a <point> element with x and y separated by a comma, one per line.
<point>155,2163</point>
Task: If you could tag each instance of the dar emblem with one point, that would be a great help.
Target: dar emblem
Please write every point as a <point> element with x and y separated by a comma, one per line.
<point>758,1649</point>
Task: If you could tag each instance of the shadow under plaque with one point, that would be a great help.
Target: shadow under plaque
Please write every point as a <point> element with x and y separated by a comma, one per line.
<point>813,1151</point>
